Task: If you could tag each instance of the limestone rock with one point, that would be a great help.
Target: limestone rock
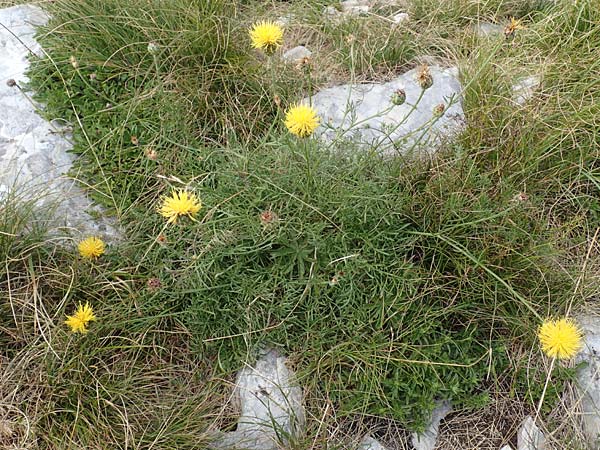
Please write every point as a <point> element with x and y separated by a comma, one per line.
<point>487,29</point>
<point>271,407</point>
<point>297,54</point>
<point>285,20</point>
<point>33,152</point>
<point>588,379</point>
<point>348,8</point>
<point>364,113</point>
<point>427,439</point>
<point>530,437</point>
<point>400,18</point>
<point>523,90</point>
<point>368,443</point>
<point>355,7</point>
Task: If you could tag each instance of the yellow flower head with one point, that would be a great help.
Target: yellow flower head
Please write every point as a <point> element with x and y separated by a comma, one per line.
<point>180,203</point>
<point>560,338</point>
<point>91,247</point>
<point>301,120</point>
<point>266,36</point>
<point>80,319</point>
<point>512,27</point>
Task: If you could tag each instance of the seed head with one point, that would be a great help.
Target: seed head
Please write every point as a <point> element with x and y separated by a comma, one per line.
<point>424,78</point>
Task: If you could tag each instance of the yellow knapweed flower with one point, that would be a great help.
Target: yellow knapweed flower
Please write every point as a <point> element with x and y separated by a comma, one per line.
<point>560,338</point>
<point>266,36</point>
<point>180,203</point>
<point>80,319</point>
<point>301,120</point>
<point>91,247</point>
<point>512,27</point>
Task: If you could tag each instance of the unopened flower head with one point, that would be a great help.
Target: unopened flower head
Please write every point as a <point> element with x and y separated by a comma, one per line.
<point>560,338</point>
<point>180,203</point>
<point>151,154</point>
<point>268,218</point>
<point>301,120</point>
<point>91,248</point>
<point>439,109</point>
<point>266,36</point>
<point>399,97</point>
<point>154,284</point>
<point>74,62</point>
<point>80,319</point>
<point>152,48</point>
<point>424,78</point>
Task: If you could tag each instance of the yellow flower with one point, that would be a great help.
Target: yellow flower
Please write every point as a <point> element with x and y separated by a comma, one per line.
<point>91,247</point>
<point>301,120</point>
<point>512,27</point>
<point>80,319</point>
<point>560,338</point>
<point>267,36</point>
<point>180,203</point>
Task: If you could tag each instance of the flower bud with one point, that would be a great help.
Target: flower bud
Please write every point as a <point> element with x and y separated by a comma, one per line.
<point>398,97</point>
<point>439,109</point>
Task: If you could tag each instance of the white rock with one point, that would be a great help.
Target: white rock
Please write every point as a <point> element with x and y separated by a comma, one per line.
<point>487,29</point>
<point>285,20</point>
<point>271,407</point>
<point>523,90</point>
<point>368,443</point>
<point>348,8</point>
<point>401,18</point>
<point>297,54</point>
<point>33,153</point>
<point>355,7</point>
<point>365,114</point>
<point>506,447</point>
<point>427,439</point>
<point>530,437</point>
<point>588,379</point>
<point>331,11</point>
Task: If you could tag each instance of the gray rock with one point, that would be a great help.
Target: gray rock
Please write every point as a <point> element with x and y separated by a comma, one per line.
<point>364,113</point>
<point>523,89</point>
<point>427,439</point>
<point>588,379</point>
<point>487,29</point>
<point>33,152</point>
<point>297,54</point>
<point>530,437</point>
<point>271,407</point>
<point>368,443</point>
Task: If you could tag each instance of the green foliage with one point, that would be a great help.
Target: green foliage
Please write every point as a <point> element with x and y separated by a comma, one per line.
<point>139,77</point>
<point>393,283</point>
